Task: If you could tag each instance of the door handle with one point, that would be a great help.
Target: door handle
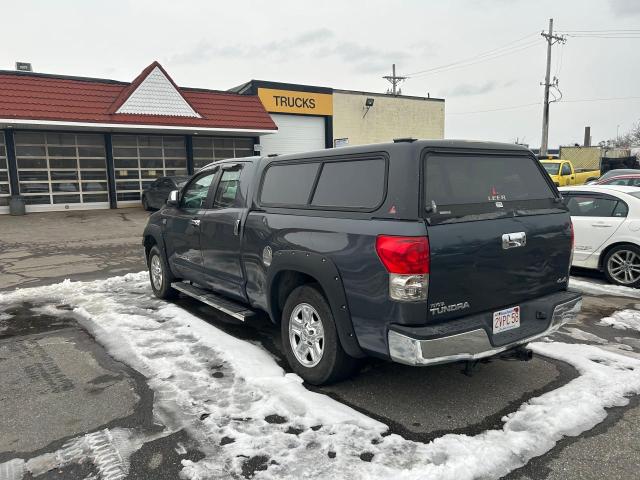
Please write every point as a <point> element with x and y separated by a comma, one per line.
<point>236,227</point>
<point>601,225</point>
<point>195,222</point>
<point>514,240</point>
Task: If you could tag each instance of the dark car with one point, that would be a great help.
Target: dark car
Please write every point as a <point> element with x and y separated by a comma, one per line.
<point>628,179</point>
<point>155,195</point>
<point>421,252</point>
<point>618,172</point>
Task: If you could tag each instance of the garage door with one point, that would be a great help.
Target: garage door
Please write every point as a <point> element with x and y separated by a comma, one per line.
<point>296,133</point>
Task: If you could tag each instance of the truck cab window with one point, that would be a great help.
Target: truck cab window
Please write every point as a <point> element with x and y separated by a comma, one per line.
<point>566,169</point>
<point>196,192</point>
<point>228,191</point>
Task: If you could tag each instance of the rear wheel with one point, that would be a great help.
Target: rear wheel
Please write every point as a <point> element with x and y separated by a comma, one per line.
<point>310,339</point>
<point>160,275</point>
<point>622,265</point>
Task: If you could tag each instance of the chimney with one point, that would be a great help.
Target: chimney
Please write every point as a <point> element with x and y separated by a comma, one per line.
<point>587,136</point>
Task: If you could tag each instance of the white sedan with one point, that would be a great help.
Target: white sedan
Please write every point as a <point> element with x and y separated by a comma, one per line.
<point>606,224</point>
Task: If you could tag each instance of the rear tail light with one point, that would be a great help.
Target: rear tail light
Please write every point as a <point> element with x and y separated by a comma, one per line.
<point>407,261</point>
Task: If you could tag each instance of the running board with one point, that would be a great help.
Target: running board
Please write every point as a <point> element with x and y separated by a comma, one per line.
<point>236,310</point>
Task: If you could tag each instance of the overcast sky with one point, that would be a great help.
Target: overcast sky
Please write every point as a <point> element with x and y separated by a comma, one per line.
<point>350,45</point>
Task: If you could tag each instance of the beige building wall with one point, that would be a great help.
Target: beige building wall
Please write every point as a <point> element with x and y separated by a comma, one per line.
<point>390,117</point>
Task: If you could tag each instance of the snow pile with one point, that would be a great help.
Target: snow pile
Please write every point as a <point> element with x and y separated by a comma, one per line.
<point>250,417</point>
<point>623,320</point>
<point>594,288</point>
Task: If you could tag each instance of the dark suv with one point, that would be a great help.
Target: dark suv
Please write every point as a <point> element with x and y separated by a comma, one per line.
<point>421,252</point>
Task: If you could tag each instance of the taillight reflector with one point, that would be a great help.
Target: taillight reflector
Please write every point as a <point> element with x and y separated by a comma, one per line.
<point>404,255</point>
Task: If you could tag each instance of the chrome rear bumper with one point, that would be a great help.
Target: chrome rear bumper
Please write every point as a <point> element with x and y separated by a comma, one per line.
<point>471,345</point>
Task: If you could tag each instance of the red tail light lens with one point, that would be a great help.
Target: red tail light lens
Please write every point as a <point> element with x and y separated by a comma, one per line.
<point>404,255</point>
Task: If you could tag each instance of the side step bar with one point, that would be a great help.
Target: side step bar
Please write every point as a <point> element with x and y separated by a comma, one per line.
<point>236,310</point>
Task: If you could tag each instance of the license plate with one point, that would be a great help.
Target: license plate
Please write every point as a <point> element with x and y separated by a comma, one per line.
<point>507,319</point>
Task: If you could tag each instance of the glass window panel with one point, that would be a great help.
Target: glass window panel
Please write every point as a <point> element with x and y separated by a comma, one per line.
<point>175,163</point>
<point>200,142</point>
<point>30,151</point>
<point>93,175</point>
<point>124,141</point>
<point>127,185</point>
<point>65,187</point>
<point>151,163</point>
<point>150,152</point>
<point>4,201</point>
<point>94,187</point>
<point>125,152</point>
<point>222,153</point>
<point>173,141</point>
<point>199,163</point>
<point>149,141</point>
<point>126,163</point>
<point>31,175</point>
<point>4,189</point>
<point>151,173</point>
<point>34,187</point>
<point>63,163</point>
<point>244,143</point>
<point>175,152</point>
<point>94,140</point>
<point>95,198</point>
<point>243,153</point>
<point>64,175</point>
<point>203,152</point>
<point>3,151</point>
<point>66,199</point>
<point>37,199</point>
<point>92,163</point>
<point>32,163</point>
<point>22,138</point>
<point>288,184</point>
<point>127,173</point>
<point>4,177</point>
<point>357,184</point>
<point>175,173</point>
<point>223,143</point>
<point>62,151</point>
<point>126,196</point>
<point>91,152</point>
<point>61,139</point>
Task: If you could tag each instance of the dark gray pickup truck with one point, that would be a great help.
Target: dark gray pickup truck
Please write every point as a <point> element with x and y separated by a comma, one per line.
<point>421,252</point>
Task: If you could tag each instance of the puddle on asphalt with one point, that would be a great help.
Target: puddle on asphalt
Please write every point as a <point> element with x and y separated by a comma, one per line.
<point>25,319</point>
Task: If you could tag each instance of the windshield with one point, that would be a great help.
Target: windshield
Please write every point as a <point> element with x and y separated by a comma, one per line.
<point>551,168</point>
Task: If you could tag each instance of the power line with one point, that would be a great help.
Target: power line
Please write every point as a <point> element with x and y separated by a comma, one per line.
<point>525,105</point>
<point>505,49</point>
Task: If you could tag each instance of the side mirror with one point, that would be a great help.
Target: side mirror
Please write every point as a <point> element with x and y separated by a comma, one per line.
<point>173,199</point>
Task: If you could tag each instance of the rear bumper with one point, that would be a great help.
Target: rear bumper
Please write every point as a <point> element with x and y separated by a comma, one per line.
<point>422,347</point>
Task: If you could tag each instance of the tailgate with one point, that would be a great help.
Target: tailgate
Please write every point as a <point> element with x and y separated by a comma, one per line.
<point>497,232</point>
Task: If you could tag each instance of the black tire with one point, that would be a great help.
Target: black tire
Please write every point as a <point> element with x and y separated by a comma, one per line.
<point>145,204</point>
<point>162,288</point>
<point>334,364</point>
<point>614,266</point>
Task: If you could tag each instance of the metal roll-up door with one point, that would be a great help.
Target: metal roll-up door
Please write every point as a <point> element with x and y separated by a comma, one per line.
<point>296,133</point>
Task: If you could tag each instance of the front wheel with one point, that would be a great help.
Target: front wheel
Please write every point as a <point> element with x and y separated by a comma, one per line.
<point>160,275</point>
<point>622,265</point>
<point>310,339</point>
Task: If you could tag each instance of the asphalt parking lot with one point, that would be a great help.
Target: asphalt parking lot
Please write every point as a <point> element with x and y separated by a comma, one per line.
<point>64,395</point>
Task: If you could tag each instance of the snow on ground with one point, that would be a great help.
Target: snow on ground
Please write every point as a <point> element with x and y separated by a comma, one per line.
<point>594,288</point>
<point>623,320</point>
<point>243,409</point>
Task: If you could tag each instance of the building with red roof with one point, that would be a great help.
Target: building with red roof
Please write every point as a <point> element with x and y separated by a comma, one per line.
<point>75,142</point>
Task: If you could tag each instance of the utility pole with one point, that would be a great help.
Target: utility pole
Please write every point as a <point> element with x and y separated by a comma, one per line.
<point>551,39</point>
<point>394,80</point>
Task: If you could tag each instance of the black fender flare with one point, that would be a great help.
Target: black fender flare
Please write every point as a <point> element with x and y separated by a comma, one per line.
<point>155,232</point>
<point>326,273</point>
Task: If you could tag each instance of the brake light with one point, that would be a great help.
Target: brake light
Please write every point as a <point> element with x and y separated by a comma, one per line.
<point>403,255</point>
<point>407,259</point>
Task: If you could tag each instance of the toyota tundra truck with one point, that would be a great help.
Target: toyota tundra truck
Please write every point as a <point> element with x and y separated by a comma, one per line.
<point>420,252</point>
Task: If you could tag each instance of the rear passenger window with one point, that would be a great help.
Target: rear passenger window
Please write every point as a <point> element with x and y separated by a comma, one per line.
<point>288,184</point>
<point>589,206</point>
<point>357,184</point>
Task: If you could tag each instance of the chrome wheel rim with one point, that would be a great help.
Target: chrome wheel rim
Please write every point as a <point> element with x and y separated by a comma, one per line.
<point>624,267</point>
<point>306,335</point>
<point>156,272</point>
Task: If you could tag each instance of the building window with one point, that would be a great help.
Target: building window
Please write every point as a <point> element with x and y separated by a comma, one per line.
<point>61,168</point>
<point>5,187</point>
<point>140,159</point>
<point>210,149</point>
